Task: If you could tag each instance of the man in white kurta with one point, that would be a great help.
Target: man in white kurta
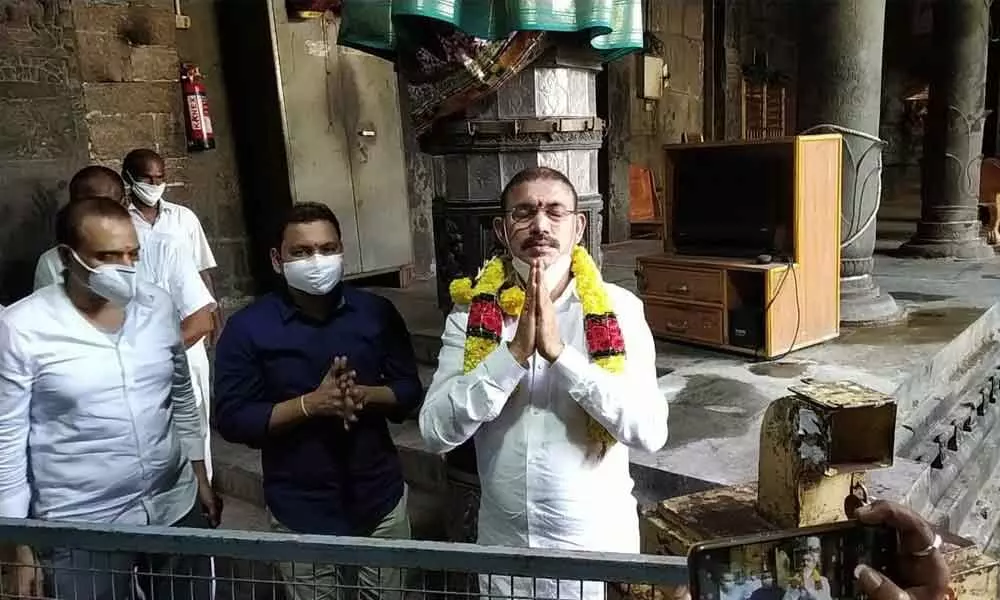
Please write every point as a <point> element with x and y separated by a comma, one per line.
<point>528,402</point>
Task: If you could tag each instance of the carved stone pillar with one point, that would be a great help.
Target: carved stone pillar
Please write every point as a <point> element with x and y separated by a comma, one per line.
<point>544,116</point>
<point>953,137</point>
<point>839,84</point>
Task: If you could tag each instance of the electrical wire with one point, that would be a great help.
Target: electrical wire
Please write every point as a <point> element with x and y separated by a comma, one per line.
<point>789,269</point>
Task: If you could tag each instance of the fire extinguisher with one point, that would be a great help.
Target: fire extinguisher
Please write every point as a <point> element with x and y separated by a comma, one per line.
<point>197,120</point>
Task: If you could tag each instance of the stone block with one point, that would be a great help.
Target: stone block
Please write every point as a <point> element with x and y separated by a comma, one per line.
<point>177,170</point>
<point>38,129</point>
<point>103,58</point>
<point>170,138</point>
<point>155,63</point>
<point>112,137</point>
<point>25,76</point>
<point>694,19</point>
<point>128,98</point>
<point>132,24</point>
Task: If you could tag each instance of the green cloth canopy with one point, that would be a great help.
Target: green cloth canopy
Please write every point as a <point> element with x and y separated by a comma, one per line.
<point>614,27</point>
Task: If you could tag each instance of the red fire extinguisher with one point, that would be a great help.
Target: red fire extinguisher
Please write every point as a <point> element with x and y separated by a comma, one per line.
<point>197,120</point>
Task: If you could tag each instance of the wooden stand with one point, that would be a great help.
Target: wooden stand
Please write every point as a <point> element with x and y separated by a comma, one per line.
<point>765,306</point>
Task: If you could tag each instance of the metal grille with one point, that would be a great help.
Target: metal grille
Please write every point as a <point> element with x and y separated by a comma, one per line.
<point>87,561</point>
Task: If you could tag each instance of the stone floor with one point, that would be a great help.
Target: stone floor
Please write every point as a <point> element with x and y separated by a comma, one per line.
<point>717,400</point>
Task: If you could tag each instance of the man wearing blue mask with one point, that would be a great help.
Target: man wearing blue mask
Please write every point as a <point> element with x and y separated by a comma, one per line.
<point>94,369</point>
<point>309,375</point>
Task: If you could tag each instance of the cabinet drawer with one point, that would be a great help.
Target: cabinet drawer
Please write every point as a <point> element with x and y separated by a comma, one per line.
<point>682,284</point>
<point>684,321</point>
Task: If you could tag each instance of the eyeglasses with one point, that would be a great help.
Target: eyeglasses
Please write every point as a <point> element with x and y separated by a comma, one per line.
<point>555,212</point>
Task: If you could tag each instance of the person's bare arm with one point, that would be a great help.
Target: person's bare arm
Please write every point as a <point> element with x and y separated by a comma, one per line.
<point>198,325</point>
<point>215,317</point>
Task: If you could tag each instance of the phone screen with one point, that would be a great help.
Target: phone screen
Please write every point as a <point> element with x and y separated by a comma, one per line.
<point>806,564</point>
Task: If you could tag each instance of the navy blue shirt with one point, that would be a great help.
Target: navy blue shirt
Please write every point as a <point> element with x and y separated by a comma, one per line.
<point>318,478</point>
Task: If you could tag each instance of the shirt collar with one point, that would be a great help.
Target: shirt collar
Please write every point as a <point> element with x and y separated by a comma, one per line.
<point>164,208</point>
<point>288,311</point>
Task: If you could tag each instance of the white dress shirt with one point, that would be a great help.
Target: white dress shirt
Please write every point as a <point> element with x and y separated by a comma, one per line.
<point>165,262</point>
<point>180,223</point>
<point>96,426</point>
<point>539,487</point>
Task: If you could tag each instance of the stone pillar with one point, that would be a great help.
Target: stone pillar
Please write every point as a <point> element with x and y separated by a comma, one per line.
<point>544,116</point>
<point>839,84</point>
<point>953,137</point>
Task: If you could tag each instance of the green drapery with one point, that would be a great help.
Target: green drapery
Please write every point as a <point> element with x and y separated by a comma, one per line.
<point>614,27</point>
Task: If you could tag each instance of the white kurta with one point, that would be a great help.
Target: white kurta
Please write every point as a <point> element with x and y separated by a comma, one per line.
<point>539,487</point>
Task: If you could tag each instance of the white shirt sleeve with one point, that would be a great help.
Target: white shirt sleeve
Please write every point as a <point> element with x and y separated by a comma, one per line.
<point>203,257</point>
<point>630,404</point>
<point>48,270</point>
<point>188,422</point>
<point>16,375</point>
<point>456,403</point>
<point>187,288</point>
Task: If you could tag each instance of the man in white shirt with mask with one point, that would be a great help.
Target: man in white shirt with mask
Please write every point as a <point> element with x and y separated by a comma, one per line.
<point>95,370</point>
<point>163,262</point>
<point>552,371</point>
<point>144,172</point>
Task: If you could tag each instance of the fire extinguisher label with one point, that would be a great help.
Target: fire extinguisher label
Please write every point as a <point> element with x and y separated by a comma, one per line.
<point>201,123</point>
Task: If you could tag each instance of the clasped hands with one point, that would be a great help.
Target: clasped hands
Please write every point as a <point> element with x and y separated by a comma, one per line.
<point>338,395</point>
<point>537,329</point>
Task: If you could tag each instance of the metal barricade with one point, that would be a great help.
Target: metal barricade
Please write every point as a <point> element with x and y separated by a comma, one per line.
<point>90,561</point>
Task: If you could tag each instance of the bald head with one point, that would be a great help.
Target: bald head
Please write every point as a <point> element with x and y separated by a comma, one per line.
<point>96,181</point>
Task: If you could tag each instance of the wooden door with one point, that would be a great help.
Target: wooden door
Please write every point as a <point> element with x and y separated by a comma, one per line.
<point>373,127</point>
<point>318,149</point>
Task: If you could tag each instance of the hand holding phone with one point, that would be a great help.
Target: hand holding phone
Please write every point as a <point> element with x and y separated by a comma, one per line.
<point>888,552</point>
<point>921,567</point>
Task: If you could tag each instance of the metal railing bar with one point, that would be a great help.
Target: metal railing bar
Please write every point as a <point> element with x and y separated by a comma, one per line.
<point>353,551</point>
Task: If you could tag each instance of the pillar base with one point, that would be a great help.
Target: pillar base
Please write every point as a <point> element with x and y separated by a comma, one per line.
<point>864,304</point>
<point>961,245</point>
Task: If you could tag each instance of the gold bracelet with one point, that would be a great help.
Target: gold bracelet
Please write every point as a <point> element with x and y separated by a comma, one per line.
<point>302,405</point>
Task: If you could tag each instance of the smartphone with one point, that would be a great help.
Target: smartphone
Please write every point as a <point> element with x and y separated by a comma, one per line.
<point>813,563</point>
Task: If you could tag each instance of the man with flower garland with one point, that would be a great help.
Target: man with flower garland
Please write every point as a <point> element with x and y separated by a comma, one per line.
<point>552,371</point>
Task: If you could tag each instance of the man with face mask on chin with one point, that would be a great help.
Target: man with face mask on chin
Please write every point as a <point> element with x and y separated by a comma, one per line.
<point>95,370</point>
<point>309,375</point>
<point>551,371</point>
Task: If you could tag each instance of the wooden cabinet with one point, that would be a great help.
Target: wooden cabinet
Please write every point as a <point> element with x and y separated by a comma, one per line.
<point>761,305</point>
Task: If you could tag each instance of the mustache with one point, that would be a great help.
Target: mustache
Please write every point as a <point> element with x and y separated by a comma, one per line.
<point>540,240</point>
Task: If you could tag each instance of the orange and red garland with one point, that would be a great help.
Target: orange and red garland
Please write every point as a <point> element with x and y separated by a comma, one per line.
<point>490,298</point>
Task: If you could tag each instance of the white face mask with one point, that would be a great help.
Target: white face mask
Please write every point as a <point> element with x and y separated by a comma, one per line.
<point>114,283</point>
<point>553,273</point>
<point>315,275</point>
<point>551,276</point>
<point>147,193</point>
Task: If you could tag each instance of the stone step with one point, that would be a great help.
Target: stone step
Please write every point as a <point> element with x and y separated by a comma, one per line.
<point>961,453</point>
<point>983,520</point>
